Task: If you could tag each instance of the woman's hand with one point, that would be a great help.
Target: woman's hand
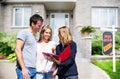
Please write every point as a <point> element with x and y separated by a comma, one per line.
<point>55,60</point>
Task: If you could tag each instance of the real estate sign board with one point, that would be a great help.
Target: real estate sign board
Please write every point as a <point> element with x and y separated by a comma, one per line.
<point>107,42</point>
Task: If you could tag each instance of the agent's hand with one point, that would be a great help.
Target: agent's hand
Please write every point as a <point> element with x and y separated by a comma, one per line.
<point>55,60</point>
<point>25,73</point>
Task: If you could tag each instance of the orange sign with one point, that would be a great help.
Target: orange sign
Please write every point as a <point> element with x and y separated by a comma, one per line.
<point>107,47</point>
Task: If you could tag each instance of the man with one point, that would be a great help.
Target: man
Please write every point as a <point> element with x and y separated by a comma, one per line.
<point>26,49</point>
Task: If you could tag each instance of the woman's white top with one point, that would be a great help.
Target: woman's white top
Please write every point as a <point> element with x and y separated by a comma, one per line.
<point>43,64</point>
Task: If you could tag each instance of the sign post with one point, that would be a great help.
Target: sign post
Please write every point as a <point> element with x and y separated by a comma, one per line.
<point>109,39</point>
<point>114,60</point>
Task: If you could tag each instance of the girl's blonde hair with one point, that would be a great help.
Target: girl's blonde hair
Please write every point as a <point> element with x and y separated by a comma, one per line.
<point>44,28</point>
<point>65,36</point>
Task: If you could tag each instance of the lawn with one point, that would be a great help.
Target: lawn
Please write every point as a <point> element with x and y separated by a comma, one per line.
<point>107,66</point>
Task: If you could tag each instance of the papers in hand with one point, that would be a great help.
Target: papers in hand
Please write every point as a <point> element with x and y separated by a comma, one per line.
<point>64,55</point>
<point>51,55</point>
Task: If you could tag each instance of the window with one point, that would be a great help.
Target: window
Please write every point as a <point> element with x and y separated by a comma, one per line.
<point>67,19</point>
<point>104,17</point>
<point>21,16</point>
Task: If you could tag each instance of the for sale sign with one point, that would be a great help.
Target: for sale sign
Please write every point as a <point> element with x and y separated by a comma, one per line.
<point>107,42</point>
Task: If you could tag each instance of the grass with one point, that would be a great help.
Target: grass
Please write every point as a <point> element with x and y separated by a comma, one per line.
<point>107,66</point>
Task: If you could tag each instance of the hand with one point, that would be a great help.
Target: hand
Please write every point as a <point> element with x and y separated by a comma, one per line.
<point>55,60</point>
<point>25,73</point>
<point>54,73</point>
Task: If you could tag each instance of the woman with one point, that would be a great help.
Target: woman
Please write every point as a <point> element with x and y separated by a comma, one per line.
<point>44,66</point>
<point>68,68</point>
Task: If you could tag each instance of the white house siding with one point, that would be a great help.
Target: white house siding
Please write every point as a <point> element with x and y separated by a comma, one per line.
<point>8,14</point>
<point>7,23</point>
<point>0,18</point>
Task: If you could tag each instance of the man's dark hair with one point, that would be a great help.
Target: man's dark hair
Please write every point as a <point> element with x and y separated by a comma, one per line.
<point>34,18</point>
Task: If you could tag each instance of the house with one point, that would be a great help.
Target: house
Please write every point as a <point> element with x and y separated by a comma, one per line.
<point>14,15</point>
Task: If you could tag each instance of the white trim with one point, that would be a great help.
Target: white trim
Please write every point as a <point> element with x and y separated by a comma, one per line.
<point>22,16</point>
<point>41,0</point>
<point>108,18</point>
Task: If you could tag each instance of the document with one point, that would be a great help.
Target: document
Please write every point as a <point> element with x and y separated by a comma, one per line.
<point>64,55</point>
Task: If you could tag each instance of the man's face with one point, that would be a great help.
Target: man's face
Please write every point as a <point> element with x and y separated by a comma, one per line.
<point>36,27</point>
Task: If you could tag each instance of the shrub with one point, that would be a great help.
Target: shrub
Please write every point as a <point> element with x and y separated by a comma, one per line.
<point>88,29</point>
<point>117,41</point>
<point>97,48</point>
<point>5,49</point>
<point>97,44</point>
<point>12,57</point>
<point>7,43</point>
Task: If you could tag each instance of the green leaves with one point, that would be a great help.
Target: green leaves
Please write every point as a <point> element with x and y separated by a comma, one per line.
<point>88,29</point>
<point>7,44</point>
<point>12,57</point>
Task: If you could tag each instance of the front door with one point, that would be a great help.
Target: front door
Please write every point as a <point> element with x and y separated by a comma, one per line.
<point>58,20</point>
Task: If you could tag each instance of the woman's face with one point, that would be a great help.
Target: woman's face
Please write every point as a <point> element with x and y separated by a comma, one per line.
<point>47,34</point>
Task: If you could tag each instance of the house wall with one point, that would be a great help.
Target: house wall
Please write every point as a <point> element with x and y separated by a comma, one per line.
<point>83,9</point>
<point>8,15</point>
<point>1,18</point>
<point>82,16</point>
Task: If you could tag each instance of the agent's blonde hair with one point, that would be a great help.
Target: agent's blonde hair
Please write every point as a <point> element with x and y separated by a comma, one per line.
<point>44,28</point>
<point>65,36</point>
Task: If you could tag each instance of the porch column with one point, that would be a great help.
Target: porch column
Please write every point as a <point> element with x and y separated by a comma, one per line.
<point>86,47</point>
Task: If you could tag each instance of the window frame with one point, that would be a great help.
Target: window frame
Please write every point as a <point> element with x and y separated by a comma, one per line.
<point>23,13</point>
<point>108,14</point>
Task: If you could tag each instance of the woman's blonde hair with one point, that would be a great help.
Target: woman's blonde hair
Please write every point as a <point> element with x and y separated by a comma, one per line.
<point>44,28</point>
<point>65,36</point>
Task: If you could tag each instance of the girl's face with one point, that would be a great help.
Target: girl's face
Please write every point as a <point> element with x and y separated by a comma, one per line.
<point>47,34</point>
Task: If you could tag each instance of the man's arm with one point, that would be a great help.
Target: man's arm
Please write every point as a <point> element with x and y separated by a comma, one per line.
<point>18,51</point>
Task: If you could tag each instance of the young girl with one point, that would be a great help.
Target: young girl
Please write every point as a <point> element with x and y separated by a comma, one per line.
<point>44,66</point>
